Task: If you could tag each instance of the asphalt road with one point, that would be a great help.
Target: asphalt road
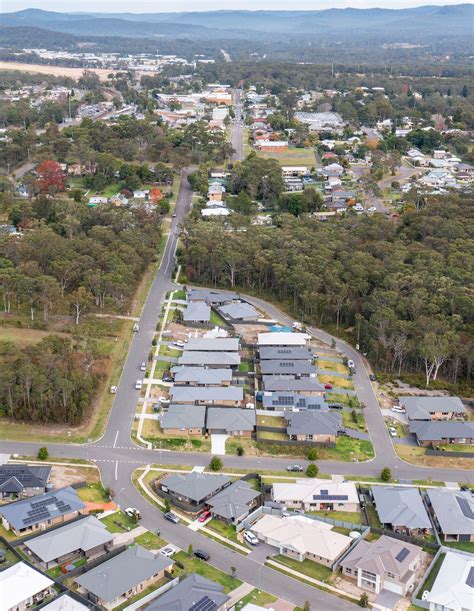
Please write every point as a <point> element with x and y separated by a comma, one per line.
<point>237,136</point>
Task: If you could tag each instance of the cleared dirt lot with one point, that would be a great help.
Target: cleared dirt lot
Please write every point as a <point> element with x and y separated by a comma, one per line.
<point>54,70</point>
<point>65,476</point>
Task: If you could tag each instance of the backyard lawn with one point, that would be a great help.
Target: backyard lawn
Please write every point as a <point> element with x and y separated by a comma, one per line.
<point>255,597</point>
<point>307,567</point>
<point>347,449</point>
<point>118,522</point>
<point>428,584</point>
<point>195,565</point>
<point>276,421</point>
<point>216,319</point>
<point>354,517</point>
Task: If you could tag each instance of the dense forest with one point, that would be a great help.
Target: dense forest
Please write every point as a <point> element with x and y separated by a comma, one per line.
<point>401,290</point>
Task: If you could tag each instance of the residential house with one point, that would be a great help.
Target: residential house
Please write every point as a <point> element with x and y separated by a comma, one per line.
<point>292,401</point>
<point>273,146</point>
<point>207,395</point>
<point>308,386</point>
<point>401,510</point>
<point>234,503</point>
<point>210,359</point>
<point>193,489</point>
<point>65,603</point>
<point>298,369</point>
<point>215,191</point>
<point>453,587</point>
<point>384,564</point>
<point>240,311</point>
<point>284,338</point>
<point>317,495</point>
<point>197,312</point>
<point>231,421</point>
<point>442,433</point>
<point>183,420</point>
<point>124,576</point>
<point>87,538</point>
<point>433,408</point>
<point>201,376</point>
<point>453,512</point>
<point>42,511</point>
<point>193,593</point>
<point>19,481</point>
<point>275,353</point>
<point>211,297</point>
<point>320,121</point>
<point>21,587</point>
<point>222,344</point>
<point>313,426</point>
<point>302,538</point>
<point>294,170</point>
<point>217,211</point>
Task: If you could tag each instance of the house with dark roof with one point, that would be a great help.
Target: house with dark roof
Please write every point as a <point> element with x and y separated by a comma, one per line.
<point>292,401</point>
<point>235,422</point>
<point>183,420</point>
<point>207,395</point>
<point>308,386</point>
<point>433,408</point>
<point>453,512</point>
<point>234,503</point>
<point>197,312</point>
<point>211,297</point>
<point>401,510</point>
<point>20,481</point>
<point>193,593</point>
<point>313,426</point>
<point>124,576</point>
<point>240,311</point>
<point>429,432</point>
<point>218,344</point>
<point>297,353</point>
<point>193,489</point>
<point>42,511</point>
<point>87,538</point>
<point>201,376</point>
<point>298,369</point>
<point>385,564</point>
<point>209,359</point>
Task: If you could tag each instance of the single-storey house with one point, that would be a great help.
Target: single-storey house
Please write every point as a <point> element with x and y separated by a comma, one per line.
<point>401,510</point>
<point>317,495</point>
<point>453,587</point>
<point>20,481</point>
<point>193,489</point>
<point>432,432</point>
<point>385,564</point>
<point>453,512</point>
<point>209,359</point>
<point>211,297</point>
<point>271,353</point>
<point>239,311</point>
<point>234,503</point>
<point>193,593</point>
<point>283,338</point>
<point>21,587</point>
<point>201,376</point>
<point>313,425</point>
<point>433,408</point>
<point>299,369</point>
<point>197,312</point>
<point>308,386</point>
<point>183,420</point>
<point>302,538</point>
<point>115,581</point>
<point>42,511</point>
<point>207,395</point>
<point>87,538</point>
<point>219,344</point>
<point>231,421</point>
<point>292,401</point>
<point>65,603</point>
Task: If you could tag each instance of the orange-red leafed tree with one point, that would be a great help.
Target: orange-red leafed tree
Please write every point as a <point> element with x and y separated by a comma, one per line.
<point>51,178</point>
<point>156,195</point>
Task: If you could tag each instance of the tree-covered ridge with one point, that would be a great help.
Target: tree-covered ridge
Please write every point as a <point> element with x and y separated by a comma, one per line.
<point>404,290</point>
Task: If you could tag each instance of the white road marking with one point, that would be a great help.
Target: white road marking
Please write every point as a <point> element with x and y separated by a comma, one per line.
<point>116,437</point>
<point>116,470</point>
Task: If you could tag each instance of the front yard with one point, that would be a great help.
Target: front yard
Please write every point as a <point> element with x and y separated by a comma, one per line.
<point>226,530</point>
<point>192,564</point>
<point>151,541</point>
<point>336,380</point>
<point>118,522</point>
<point>255,597</point>
<point>307,567</point>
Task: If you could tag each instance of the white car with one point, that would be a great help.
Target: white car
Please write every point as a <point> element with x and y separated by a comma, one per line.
<point>179,344</point>
<point>113,390</point>
<point>132,513</point>
<point>163,400</point>
<point>136,327</point>
<point>350,364</point>
<point>167,552</point>
<point>138,385</point>
<point>143,366</point>
<point>359,208</point>
<point>398,410</point>
<point>393,431</point>
<point>250,538</point>
<point>372,209</point>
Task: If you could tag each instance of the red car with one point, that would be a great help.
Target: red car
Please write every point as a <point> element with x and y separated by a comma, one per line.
<point>328,386</point>
<point>204,515</point>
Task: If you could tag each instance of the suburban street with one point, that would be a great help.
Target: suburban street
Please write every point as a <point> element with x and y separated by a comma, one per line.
<point>237,136</point>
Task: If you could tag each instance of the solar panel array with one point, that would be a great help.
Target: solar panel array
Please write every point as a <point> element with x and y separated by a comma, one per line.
<point>205,604</point>
<point>402,554</point>
<point>283,400</point>
<point>286,364</point>
<point>330,497</point>
<point>43,510</point>
<point>465,507</point>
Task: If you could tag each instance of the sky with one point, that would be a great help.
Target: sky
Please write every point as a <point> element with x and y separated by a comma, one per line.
<point>157,6</point>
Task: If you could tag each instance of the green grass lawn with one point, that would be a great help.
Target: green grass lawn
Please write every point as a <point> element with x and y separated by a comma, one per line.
<point>348,400</point>
<point>272,435</point>
<point>276,421</point>
<point>93,493</point>
<point>336,381</point>
<point>216,319</point>
<point>307,567</point>
<point>118,522</point>
<point>349,423</point>
<point>347,449</point>
<point>195,565</point>
<point>142,594</point>
<point>428,584</point>
<point>354,517</point>
<point>181,294</point>
<point>150,541</point>
<point>373,516</point>
<point>292,156</point>
<point>245,366</point>
<point>10,557</point>
<point>168,351</point>
<point>465,546</point>
<point>330,366</point>
<point>226,530</point>
<point>457,447</point>
<point>256,597</point>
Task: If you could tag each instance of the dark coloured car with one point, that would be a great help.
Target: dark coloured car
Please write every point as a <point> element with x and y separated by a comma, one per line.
<point>202,554</point>
<point>372,377</point>
<point>171,517</point>
<point>167,378</point>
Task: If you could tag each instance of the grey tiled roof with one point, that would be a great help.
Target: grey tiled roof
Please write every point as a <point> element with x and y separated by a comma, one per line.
<point>210,296</point>
<point>276,383</point>
<point>196,486</point>
<point>239,311</point>
<point>277,352</point>
<point>209,358</point>
<point>197,311</point>
<point>287,367</point>
<point>218,344</point>
<point>14,478</point>
<point>233,501</point>
<point>116,576</point>
<point>230,419</point>
<point>189,394</point>
<point>400,507</point>
<point>313,422</point>
<point>184,417</point>
<point>454,510</point>
<point>201,375</point>
<point>432,430</point>
<point>419,408</point>
<point>189,593</point>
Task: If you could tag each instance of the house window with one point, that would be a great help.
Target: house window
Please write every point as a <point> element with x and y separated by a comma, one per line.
<point>368,576</point>
<point>391,575</point>
<point>348,571</point>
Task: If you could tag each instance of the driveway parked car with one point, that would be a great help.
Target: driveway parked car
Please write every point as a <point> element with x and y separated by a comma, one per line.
<point>250,538</point>
<point>328,386</point>
<point>204,515</point>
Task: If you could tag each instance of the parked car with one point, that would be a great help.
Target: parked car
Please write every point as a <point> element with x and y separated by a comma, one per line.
<point>143,366</point>
<point>163,400</point>
<point>167,551</point>
<point>136,327</point>
<point>138,385</point>
<point>295,468</point>
<point>298,511</point>
<point>351,364</point>
<point>132,513</point>
<point>113,390</point>
<point>202,554</point>
<point>179,344</point>
<point>372,209</point>
<point>373,377</point>
<point>337,406</point>
<point>171,517</point>
<point>398,410</point>
<point>167,378</point>
<point>157,407</point>
<point>204,515</point>
<point>393,431</point>
<point>328,386</point>
<point>250,538</point>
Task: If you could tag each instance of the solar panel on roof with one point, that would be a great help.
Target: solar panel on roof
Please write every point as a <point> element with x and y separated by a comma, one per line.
<point>205,604</point>
<point>330,497</point>
<point>465,507</point>
<point>470,578</point>
<point>402,554</point>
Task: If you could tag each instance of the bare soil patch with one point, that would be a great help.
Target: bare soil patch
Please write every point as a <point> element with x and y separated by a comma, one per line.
<point>54,70</point>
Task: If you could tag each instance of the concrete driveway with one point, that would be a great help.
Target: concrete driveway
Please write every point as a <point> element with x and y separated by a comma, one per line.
<point>260,552</point>
<point>218,443</point>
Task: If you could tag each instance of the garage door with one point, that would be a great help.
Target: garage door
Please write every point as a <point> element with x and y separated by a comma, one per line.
<point>393,587</point>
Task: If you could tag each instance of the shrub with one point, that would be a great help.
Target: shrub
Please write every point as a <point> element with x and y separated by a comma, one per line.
<point>386,474</point>
<point>312,454</point>
<point>240,451</point>
<point>312,470</point>
<point>364,600</point>
<point>43,453</point>
<point>215,464</point>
